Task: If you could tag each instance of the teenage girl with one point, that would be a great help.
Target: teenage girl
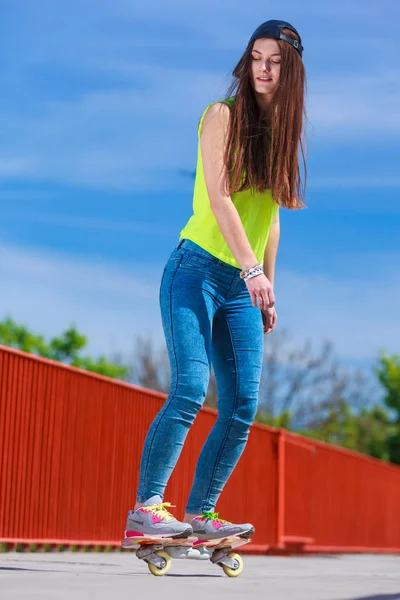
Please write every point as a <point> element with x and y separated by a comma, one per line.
<point>217,290</point>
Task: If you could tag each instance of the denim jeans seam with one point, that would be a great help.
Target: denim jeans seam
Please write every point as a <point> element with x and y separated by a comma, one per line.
<point>171,394</point>
<point>230,421</point>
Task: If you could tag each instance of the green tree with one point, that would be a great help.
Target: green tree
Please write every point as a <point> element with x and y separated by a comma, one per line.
<point>283,420</point>
<point>339,424</point>
<point>303,389</point>
<point>65,348</point>
<point>388,372</point>
<point>365,431</point>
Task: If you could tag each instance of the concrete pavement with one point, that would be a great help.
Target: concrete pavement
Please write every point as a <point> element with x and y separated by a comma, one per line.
<point>95,576</point>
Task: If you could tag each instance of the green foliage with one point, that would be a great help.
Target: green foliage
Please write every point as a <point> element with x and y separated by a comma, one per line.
<point>66,348</point>
<point>365,432</point>
<point>74,548</point>
<point>374,431</point>
<point>331,417</point>
<point>283,420</point>
<point>388,372</point>
<point>3,547</point>
<point>47,547</point>
<point>33,547</point>
<point>19,547</point>
<point>100,366</point>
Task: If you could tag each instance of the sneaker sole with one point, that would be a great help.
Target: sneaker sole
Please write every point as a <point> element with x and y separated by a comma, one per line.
<point>158,535</point>
<point>247,534</point>
<point>185,534</point>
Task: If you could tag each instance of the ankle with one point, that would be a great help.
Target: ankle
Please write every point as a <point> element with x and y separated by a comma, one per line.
<point>189,517</point>
<point>138,505</point>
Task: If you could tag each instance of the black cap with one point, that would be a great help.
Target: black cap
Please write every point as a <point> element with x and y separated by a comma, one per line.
<point>273,29</point>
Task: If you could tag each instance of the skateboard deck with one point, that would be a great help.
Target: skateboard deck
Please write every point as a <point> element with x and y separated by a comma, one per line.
<point>136,541</point>
<point>157,552</point>
<point>231,541</point>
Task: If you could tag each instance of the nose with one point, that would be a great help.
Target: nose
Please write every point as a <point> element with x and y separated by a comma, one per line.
<point>265,67</point>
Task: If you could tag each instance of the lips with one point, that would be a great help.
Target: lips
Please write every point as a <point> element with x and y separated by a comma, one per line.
<point>264,79</point>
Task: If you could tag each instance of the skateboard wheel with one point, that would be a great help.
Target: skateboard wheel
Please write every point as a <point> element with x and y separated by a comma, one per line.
<point>159,571</point>
<point>233,572</point>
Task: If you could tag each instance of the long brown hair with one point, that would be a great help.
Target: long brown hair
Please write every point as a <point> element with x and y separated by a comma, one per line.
<point>267,149</point>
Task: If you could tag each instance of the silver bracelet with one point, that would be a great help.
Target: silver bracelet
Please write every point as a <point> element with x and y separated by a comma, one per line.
<point>253,273</point>
<point>245,272</point>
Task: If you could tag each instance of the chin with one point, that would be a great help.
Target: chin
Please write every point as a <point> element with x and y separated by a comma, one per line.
<point>268,93</point>
<point>263,89</point>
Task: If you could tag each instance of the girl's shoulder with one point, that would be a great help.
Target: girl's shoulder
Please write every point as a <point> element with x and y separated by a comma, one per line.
<point>229,101</point>
<point>215,107</point>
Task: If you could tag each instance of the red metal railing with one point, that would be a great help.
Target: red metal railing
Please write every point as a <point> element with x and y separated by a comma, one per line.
<point>70,446</point>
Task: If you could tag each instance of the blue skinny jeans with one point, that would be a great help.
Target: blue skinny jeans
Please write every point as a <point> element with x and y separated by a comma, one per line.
<point>207,317</point>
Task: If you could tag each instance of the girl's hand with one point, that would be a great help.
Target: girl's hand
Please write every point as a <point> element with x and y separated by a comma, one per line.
<point>269,318</point>
<point>261,292</point>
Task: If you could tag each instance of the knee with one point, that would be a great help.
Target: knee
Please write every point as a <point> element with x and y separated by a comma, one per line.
<point>242,415</point>
<point>246,412</point>
<point>246,402</point>
<point>190,393</point>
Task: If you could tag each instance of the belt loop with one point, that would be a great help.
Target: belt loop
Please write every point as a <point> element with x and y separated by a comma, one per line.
<point>180,244</point>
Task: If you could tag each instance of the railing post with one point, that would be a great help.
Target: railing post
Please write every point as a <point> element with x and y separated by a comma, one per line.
<point>280,511</point>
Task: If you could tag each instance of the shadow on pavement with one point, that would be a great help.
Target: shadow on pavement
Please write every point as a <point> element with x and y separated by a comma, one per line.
<point>68,571</point>
<point>31,570</point>
<point>191,575</point>
<point>395,596</point>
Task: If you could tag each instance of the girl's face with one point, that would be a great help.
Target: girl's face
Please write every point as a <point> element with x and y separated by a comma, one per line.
<point>265,67</point>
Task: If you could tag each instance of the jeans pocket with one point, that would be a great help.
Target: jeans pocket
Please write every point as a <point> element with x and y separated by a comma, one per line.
<point>198,260</point>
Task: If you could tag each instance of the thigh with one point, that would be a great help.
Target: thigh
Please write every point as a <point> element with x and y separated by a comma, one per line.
<point>187,311</point>
<point>237,354</point>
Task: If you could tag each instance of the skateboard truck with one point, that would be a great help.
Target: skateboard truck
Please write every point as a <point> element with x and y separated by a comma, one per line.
<point>221,554</point>
<point>146,552</point>
<point>157,553</point>
<point>158,561</point>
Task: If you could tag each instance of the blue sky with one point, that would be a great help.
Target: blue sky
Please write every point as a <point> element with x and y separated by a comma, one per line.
<point>98,119</point>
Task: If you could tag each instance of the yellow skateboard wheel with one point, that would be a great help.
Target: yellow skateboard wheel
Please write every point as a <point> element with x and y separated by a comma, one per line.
<point>157,571</point>
<point>234,572</point>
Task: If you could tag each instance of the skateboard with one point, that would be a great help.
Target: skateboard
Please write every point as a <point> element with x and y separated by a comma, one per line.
<point>158,552</point>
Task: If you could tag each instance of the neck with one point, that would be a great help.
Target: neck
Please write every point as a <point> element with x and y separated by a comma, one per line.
<point>265,105</point>
<point>264,102</point>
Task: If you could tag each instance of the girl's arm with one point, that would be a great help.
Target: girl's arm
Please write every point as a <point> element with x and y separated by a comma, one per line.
<point>271,249</point>
<point>212,144</point>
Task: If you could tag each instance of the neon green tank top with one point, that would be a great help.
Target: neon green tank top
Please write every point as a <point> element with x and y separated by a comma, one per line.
<point>256,211</point>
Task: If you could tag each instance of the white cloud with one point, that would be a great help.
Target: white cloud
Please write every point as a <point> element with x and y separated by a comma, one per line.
<point>17,166</point>
<point>120,139</point>
<point>132,138</point>
<point>25,195</point>
<point>74,222</point>
<point>111,303</point>
<point>139,127</point>
<point>358,313</point>
<point>355,105</point>
<point>227,25</point>
<point>355,182</point>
